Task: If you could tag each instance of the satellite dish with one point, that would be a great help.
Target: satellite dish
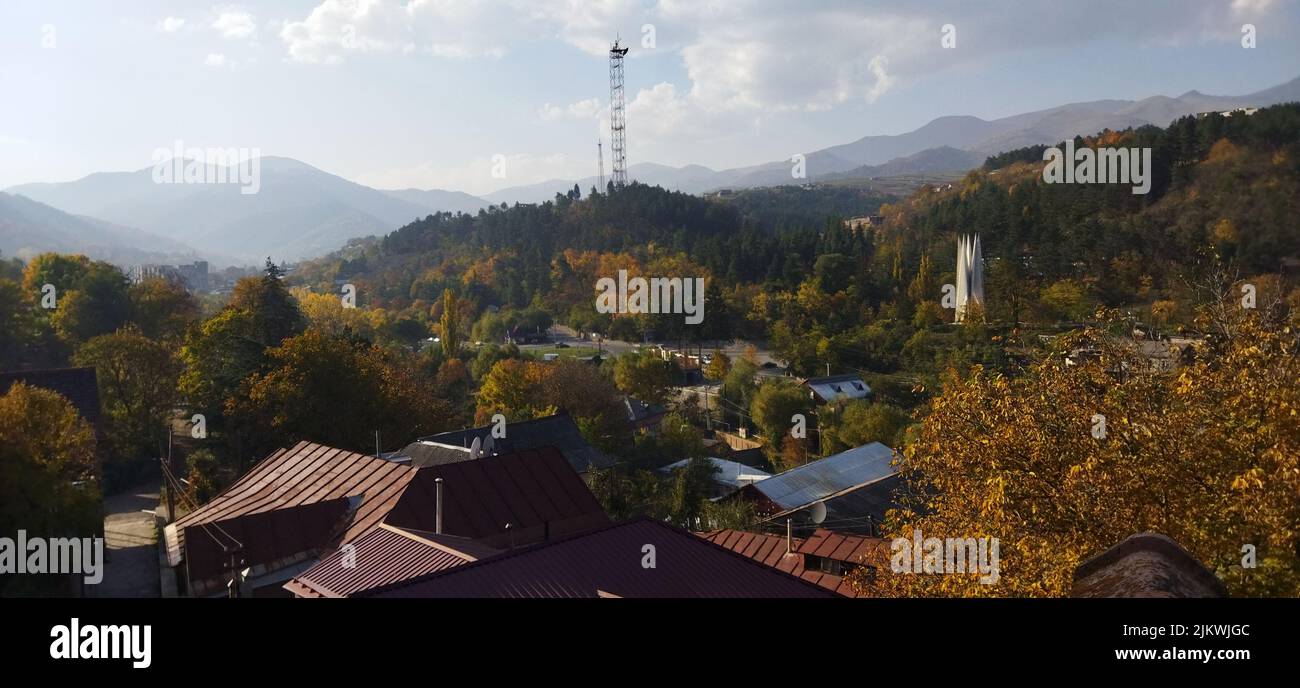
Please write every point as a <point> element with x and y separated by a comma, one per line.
<point>817,512</point>
<point>489,445</point>
<point>476,448</point>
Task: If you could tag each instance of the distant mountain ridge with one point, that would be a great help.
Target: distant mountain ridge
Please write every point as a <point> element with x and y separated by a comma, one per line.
<point>28,228</point>
<point>298,211</point>
<point>976,136</point>
<point>301,211</point>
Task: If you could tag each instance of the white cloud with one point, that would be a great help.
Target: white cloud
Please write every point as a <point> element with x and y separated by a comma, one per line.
<point>170,24</point>
<point>221,60</point>
<point>234,23</point>
<point>759,56</point>
<point>443,28</point>
<point>583,109</point>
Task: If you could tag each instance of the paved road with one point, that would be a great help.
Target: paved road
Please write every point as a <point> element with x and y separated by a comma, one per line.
<point>130,545</point>
<point>734,349</point>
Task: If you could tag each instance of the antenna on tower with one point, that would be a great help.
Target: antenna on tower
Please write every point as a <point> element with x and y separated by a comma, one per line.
<point>600,166</point>
<point>617,119</point>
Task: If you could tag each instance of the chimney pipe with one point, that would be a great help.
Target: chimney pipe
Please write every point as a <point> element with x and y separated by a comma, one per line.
<point>437,523</point>
<point>789,536</point>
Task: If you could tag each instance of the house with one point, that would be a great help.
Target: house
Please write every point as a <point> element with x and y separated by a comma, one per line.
<point>557,431</point>
<point>852,490</point>
<point>824,390</point>
<point>501,501</point>
<point>457,513</point>
<point>1146,565</point>
<point>730,476</point>
<point>383,556</point>
<point>78,385</point>
<point>642,416</point>
<point>825,557</point>
<point>276,518</point>
<point>638,558</point>
<point>864,222</point>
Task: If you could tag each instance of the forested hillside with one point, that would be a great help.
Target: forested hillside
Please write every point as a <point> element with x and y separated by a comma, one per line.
<point>1222,196</point>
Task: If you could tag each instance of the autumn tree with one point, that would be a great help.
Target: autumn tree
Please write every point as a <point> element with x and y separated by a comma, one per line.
<point>162,309</point>
<point>719,366</point>
<point>47,466</point>
<point>337,392</point>
<point>93,302</point>
<point>1064,461</point>
<point>450,323</point>
<point>689,492</point>
<point>861,422</point>
<point>137,388</point>
<point>644,376</point>
<point>774,405</point>
<point>217,356</point>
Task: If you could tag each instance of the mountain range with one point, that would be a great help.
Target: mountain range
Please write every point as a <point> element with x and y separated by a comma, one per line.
<point>931,147</point>
<point>301,211</point>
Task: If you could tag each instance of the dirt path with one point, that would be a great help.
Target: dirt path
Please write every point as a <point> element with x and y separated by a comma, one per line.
<point>130,545</point>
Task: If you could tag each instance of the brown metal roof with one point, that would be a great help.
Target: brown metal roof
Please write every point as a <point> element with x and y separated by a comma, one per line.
<point>383,556</point>
<point>845,547</point>
<point>609,562</point>
<point>536,491</point>
<point>305,474</point>
<point>770,550</point>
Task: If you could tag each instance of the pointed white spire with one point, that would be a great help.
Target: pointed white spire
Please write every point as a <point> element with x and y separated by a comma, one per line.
<point>970,274</point>
<point>962,280</point>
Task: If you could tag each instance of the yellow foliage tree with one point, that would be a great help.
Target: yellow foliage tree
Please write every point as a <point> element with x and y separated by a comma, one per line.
<point>1208,455</point>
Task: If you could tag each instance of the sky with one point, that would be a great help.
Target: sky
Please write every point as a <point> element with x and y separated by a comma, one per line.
<point>430,93</point>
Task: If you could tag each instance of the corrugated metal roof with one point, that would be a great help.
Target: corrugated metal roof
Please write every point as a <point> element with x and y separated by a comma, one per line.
<point>428,453</point>
<point>307,473</point>
<point>383,556</point>
<point>770,550</point>
<point>729,472</point>
<point>845,547</point>
<point>552,431</point>
<point>800,487</point>
<point>536,491</point>
<point>609,562</point>
<point>839,387</point>
<point>761,547</point>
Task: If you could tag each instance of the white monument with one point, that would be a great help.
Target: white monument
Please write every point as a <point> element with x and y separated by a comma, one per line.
<point>970,274</point>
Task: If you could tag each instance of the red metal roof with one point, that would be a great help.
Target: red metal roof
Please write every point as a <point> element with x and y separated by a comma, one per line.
<point>853,549</point>
<point>610,562</point>
<point>536,491</point>
<point>306,474</point>
<point>770,550</point>
<point>383,556</point>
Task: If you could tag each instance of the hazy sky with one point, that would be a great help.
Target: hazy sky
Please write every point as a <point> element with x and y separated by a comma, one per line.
<point>424,93</point>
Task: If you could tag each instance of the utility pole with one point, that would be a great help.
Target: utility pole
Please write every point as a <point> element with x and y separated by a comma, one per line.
<point>171,499</point>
